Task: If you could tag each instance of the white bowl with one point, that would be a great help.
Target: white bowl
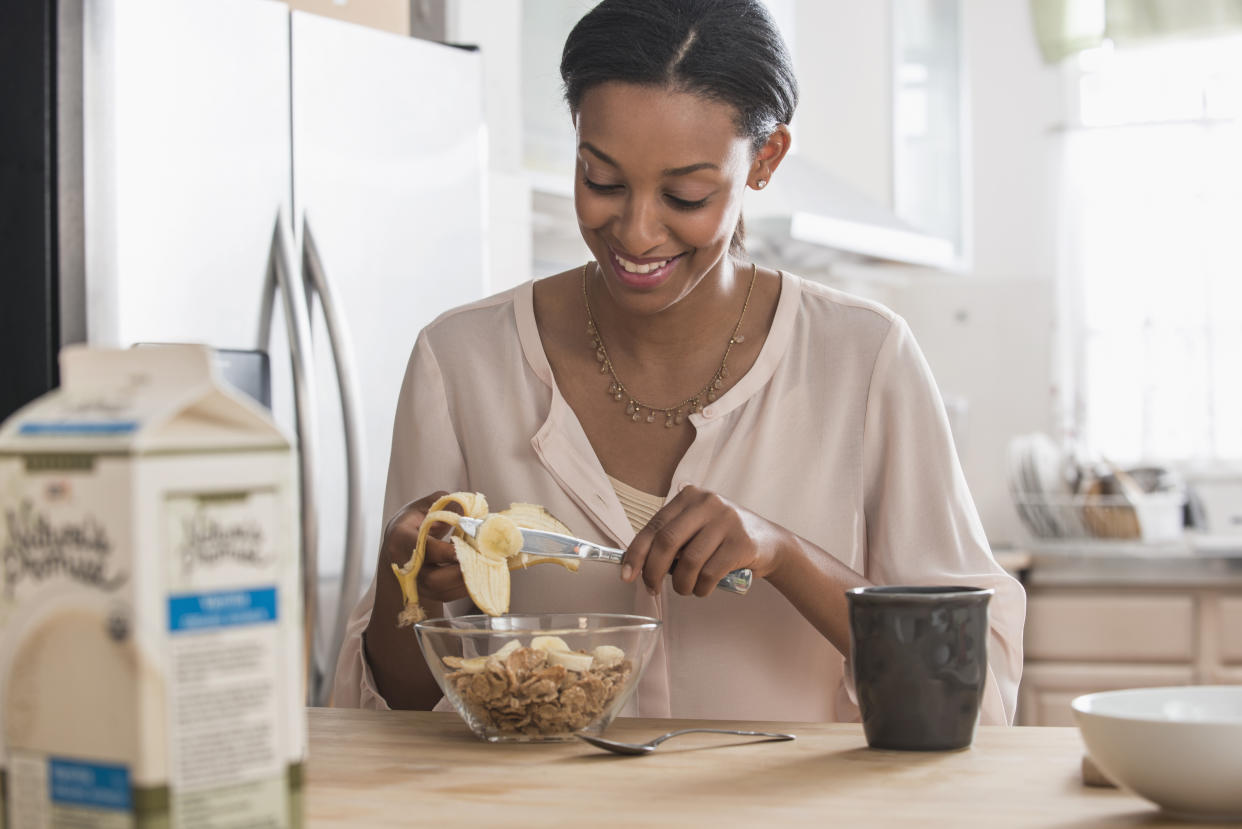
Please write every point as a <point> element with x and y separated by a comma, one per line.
<point>1180,748</point>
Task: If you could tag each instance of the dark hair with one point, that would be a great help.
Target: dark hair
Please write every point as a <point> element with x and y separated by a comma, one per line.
<point>725,50</point>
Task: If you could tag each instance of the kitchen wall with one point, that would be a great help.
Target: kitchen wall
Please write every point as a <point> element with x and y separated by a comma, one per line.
<point>1015,101</point>
<point>494,28</point>
<point>989,333</point>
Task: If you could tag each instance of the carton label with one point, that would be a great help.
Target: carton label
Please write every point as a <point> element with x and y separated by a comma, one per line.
<point>93,785</point>
<point>79,427</point>
<point>229,608</point>
<point>57,791</point>
<point>38,548</point>
<point>224,657</point>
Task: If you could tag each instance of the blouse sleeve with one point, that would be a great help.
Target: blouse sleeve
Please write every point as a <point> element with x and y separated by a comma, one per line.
<point>426,457</point>
<point>922,526</point>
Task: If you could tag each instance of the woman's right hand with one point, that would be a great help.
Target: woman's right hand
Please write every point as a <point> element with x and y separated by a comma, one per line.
<point>439,579</point>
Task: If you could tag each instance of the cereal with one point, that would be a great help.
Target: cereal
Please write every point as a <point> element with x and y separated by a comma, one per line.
<point>524,693</point>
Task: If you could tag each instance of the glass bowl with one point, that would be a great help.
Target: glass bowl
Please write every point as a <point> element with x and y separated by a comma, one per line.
<point>538,677</point>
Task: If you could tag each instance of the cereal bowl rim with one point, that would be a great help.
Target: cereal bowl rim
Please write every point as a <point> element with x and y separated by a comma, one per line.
<point>622,623</point>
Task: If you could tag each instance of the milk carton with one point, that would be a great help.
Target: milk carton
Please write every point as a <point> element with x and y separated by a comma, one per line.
<point>151,658</point>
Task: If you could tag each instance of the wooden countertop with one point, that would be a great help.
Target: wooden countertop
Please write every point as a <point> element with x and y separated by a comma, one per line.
<point>389,768</point>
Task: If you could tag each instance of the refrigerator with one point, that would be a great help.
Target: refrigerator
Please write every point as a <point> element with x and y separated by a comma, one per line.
<point>261,179</point>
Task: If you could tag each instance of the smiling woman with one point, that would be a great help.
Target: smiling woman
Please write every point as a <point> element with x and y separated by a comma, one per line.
<point>673,398</point>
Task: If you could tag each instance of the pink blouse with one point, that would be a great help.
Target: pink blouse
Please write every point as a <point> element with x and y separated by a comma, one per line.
<point>837,433</point>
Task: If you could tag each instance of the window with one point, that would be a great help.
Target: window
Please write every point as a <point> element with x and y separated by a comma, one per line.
<point>1152,273</point>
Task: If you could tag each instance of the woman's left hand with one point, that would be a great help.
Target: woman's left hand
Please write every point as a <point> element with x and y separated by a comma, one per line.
<point>699,537</point>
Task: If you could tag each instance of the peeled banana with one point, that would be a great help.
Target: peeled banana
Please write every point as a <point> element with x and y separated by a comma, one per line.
<point>485,559</point>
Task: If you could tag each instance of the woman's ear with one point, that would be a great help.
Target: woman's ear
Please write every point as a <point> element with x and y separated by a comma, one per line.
<point>769,157</point>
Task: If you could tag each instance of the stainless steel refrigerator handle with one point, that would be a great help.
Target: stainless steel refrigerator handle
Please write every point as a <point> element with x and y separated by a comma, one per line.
<point>351,413</point>
<point>282,278</point>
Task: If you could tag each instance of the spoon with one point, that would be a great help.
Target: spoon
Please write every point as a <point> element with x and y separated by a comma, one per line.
<point>649,746</point>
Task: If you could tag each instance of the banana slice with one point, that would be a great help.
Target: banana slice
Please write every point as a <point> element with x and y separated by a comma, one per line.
<point>571,660</point>
<point>549,644</point>
<point>498,537</point>
<point>508,648</point>
<point>474,665</point>
<point>608,656</point>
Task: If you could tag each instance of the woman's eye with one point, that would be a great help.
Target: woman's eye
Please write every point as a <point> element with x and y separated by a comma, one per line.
<point>600,188</point>
<point>682,204</point>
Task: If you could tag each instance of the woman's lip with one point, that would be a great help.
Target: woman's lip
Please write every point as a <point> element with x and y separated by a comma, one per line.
<point>643,280</point>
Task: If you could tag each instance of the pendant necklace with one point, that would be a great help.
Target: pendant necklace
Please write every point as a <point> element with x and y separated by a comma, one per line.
<point>635,409</point>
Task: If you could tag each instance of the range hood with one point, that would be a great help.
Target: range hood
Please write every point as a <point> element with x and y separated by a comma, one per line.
<point>810,215</point>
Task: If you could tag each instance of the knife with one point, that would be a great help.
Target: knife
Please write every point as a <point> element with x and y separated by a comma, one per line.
<point>555,545</point>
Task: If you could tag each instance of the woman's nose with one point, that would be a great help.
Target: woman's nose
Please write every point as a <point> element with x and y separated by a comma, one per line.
<point>639,227</point>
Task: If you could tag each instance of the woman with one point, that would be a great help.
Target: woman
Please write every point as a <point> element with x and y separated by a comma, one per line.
<point>675,399</point>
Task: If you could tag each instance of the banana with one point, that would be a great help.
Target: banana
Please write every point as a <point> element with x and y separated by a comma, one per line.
<point>498,537</point>
<point>486,559</point>
<point>487,578</point>
<point>509,647</point>
<point>407,574</point>
<point>549,644</point>
<point>474,665</point>
<point>571,660</point>
<point>471,503</point>
<point>535,517</point>
<point>607,656</point>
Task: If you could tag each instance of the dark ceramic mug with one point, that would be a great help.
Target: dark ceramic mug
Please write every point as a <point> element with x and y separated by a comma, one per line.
<point>920,661</point>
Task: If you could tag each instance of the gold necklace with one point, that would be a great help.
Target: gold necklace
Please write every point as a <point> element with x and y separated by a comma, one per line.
<point>673,415</point>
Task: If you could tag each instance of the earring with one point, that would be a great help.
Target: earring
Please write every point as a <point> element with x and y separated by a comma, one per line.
<point>761,183</point>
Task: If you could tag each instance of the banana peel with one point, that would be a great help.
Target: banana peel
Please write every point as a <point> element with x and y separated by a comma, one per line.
<point>485,559</point>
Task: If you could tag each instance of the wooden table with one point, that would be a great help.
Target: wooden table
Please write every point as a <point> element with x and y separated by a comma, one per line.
<point>371,768</point>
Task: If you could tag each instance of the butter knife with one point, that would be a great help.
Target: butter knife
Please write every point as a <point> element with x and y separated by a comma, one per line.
<point>555,545</point>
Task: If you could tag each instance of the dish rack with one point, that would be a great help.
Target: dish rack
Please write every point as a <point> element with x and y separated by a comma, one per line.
<point>1103,522</point>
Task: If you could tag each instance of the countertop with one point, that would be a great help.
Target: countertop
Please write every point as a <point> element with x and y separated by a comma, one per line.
<point>1189,562</point>
<point>389,768</point>
<point>1134,566</point>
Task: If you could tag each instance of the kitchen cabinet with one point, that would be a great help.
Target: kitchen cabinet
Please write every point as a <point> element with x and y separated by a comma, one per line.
<point>1229,630</point>
<point>1101,624</point>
